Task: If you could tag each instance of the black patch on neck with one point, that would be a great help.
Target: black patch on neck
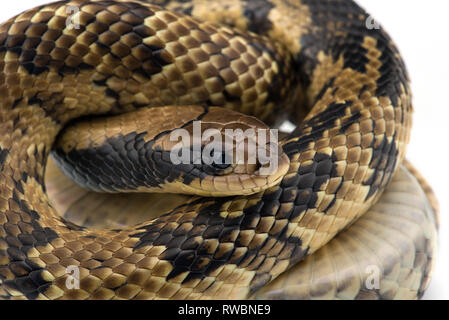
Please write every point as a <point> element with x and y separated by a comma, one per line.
<point>106,167</point>
<point>31,284</point>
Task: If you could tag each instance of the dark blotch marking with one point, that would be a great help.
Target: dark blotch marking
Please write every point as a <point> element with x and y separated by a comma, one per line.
<point>393,72</point>
<point>198,258</point>
<point>18,185</point>
<point>127,162</point>
<point>106,168</point>
<point>306,183</point>
<point>35,100</point>
<point>111,93</point>
<point>29,280</point>
<point>319,124</point>
<point>346,40</point>
<point>336,33</point>
<point>383,162</point>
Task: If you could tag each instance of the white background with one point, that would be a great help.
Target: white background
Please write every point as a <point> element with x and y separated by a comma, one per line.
<point>420,30</point>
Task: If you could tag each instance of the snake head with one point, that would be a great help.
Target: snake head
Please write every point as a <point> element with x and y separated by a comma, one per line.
<point>223,153</point>
<point>189,150</point>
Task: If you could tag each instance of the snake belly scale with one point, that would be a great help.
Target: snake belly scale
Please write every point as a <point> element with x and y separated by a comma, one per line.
<point>345,86</point>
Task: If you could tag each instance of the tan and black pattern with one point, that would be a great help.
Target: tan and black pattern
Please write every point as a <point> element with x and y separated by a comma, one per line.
<point>313,61</point>
<point>343,268</point>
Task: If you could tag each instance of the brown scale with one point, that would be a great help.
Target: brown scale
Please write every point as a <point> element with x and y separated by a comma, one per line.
<point>128,55</point>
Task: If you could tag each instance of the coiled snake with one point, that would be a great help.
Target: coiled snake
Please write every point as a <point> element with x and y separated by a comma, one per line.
<point>314,61</point>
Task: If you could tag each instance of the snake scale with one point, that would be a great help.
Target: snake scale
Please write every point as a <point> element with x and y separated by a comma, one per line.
<point>313,61</point>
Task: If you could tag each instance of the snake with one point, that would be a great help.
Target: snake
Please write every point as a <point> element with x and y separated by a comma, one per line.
<point>100,85</point>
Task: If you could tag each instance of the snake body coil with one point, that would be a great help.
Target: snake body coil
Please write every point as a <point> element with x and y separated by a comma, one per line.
<point>313,57</point>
